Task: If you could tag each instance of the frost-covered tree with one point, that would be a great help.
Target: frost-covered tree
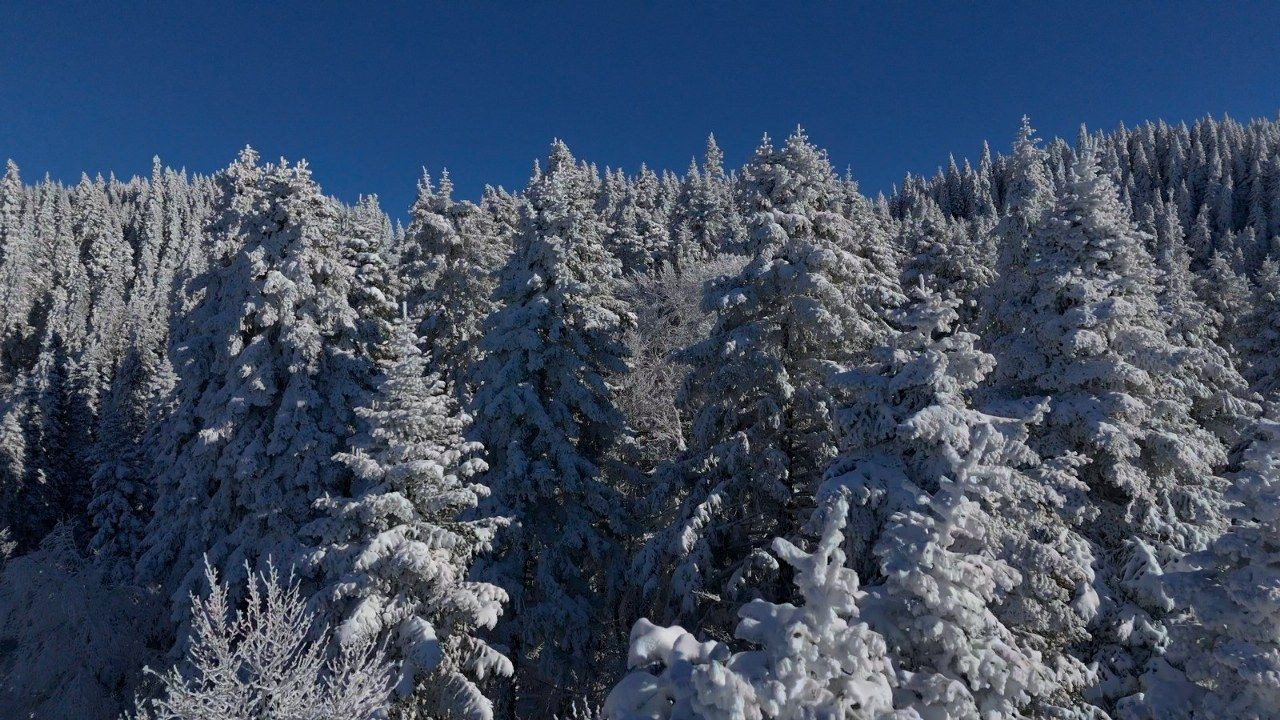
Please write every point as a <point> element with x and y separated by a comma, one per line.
<point>909,428</point>
<point>503,210</point>
<point>949,256</point>
<point>157,332</point>
<point>18,278</point>
<point>669,318</point>
<point>1228,646</point>
<point>13,451</point>
<point>935,604</point>
<point>108,267</point>
<point>818,659</point>
<point>650,200</point>
<point>1028,195</point>
<point>261,661</point>
<point>76,640</point>
<point>366,249</point>
<point>761,409</point>
<point>122,497</point>
<point>55,482</point>
<point>1227,293</point>
<point>266,387</point>
<point>546,414</point>
<point>395,553</point>
<point>1220,397</point>
<point>626,238</point>
<point>1260,333</point>
<point>1086,332</point>
<point>458,249</point>
<point>705,220</point>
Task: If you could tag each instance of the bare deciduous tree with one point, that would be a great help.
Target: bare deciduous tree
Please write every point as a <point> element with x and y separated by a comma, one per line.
<point>258,662</point>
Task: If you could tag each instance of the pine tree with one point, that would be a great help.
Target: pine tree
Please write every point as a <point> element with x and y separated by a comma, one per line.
<point>394,554</point>
<point>1087,333</point>
<point>910,431</point>
<point>650,199</point>
<point>366,238</point>
<point>949,257</point>
<point>761,407</point>
<point>1228,294</point>
<point>545,412</point>
<point>108,267</point>
<point>458,246</point>
<point>626,238</point>
<point>1220,398</point>
<point>817,659</point>
<point>1228,647</point>
<point>15,437</point>
<point>934,605</point>
<point>266,386</point>
<point>17,247</point>
<point>503,210</point>
<point>1028,195</point>
<point>1260,332</point>
<point>56,486</point>
<point>706,221</point>
<point>121,481</point>
<point>13,451</point>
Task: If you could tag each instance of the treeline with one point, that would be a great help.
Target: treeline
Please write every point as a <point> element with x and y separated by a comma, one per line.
<point>998,445</point>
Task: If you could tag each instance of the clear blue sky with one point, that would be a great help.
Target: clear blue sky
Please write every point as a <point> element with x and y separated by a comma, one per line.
<point>370,92</point>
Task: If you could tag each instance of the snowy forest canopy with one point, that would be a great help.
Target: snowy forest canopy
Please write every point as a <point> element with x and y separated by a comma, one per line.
<point>732,443</point>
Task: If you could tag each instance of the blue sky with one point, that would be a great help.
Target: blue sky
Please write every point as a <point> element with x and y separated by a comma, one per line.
<point>371,92</point>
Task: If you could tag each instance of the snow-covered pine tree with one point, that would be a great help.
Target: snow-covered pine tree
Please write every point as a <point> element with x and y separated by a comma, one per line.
<point>625,238</point>
<point>935,605</point>
<point>546,414</point>
<point>108,266</point>
<point>13,451</point>
<point>17,247</point>
<point>761,406</point>
<point>1086,332</point>
<point>503,210</point>
<point>121,481</point>
<point>1028,195</point>
<point>651,199</point>
<point>392,557</point>
<point>949,256</point>
<point>55,486</point>
<point>1228,647</point>
<point>706,221</point>
<point>908,427</point>
<point>458,249</point>
<point>817,659</point>
<point>16,439</point>
<point>267,386</point>
<point>366,241</point>
<point>1260,333</point>
<point>415,260</point>
<point>1225,291</point>
<point>1220,397</point>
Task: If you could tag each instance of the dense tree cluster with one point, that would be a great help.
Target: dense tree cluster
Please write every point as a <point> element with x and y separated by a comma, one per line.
<point>738,443</point>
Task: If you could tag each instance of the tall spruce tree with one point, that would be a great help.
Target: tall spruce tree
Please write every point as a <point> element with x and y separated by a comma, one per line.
<point>1087,333</point>
<point>1227,649</point>
<point>458,249</point>
<point>266,387</point>
<point>920,459</point>
<point>546,414</point>
<point>393,553</point>
<point>761,406</point>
